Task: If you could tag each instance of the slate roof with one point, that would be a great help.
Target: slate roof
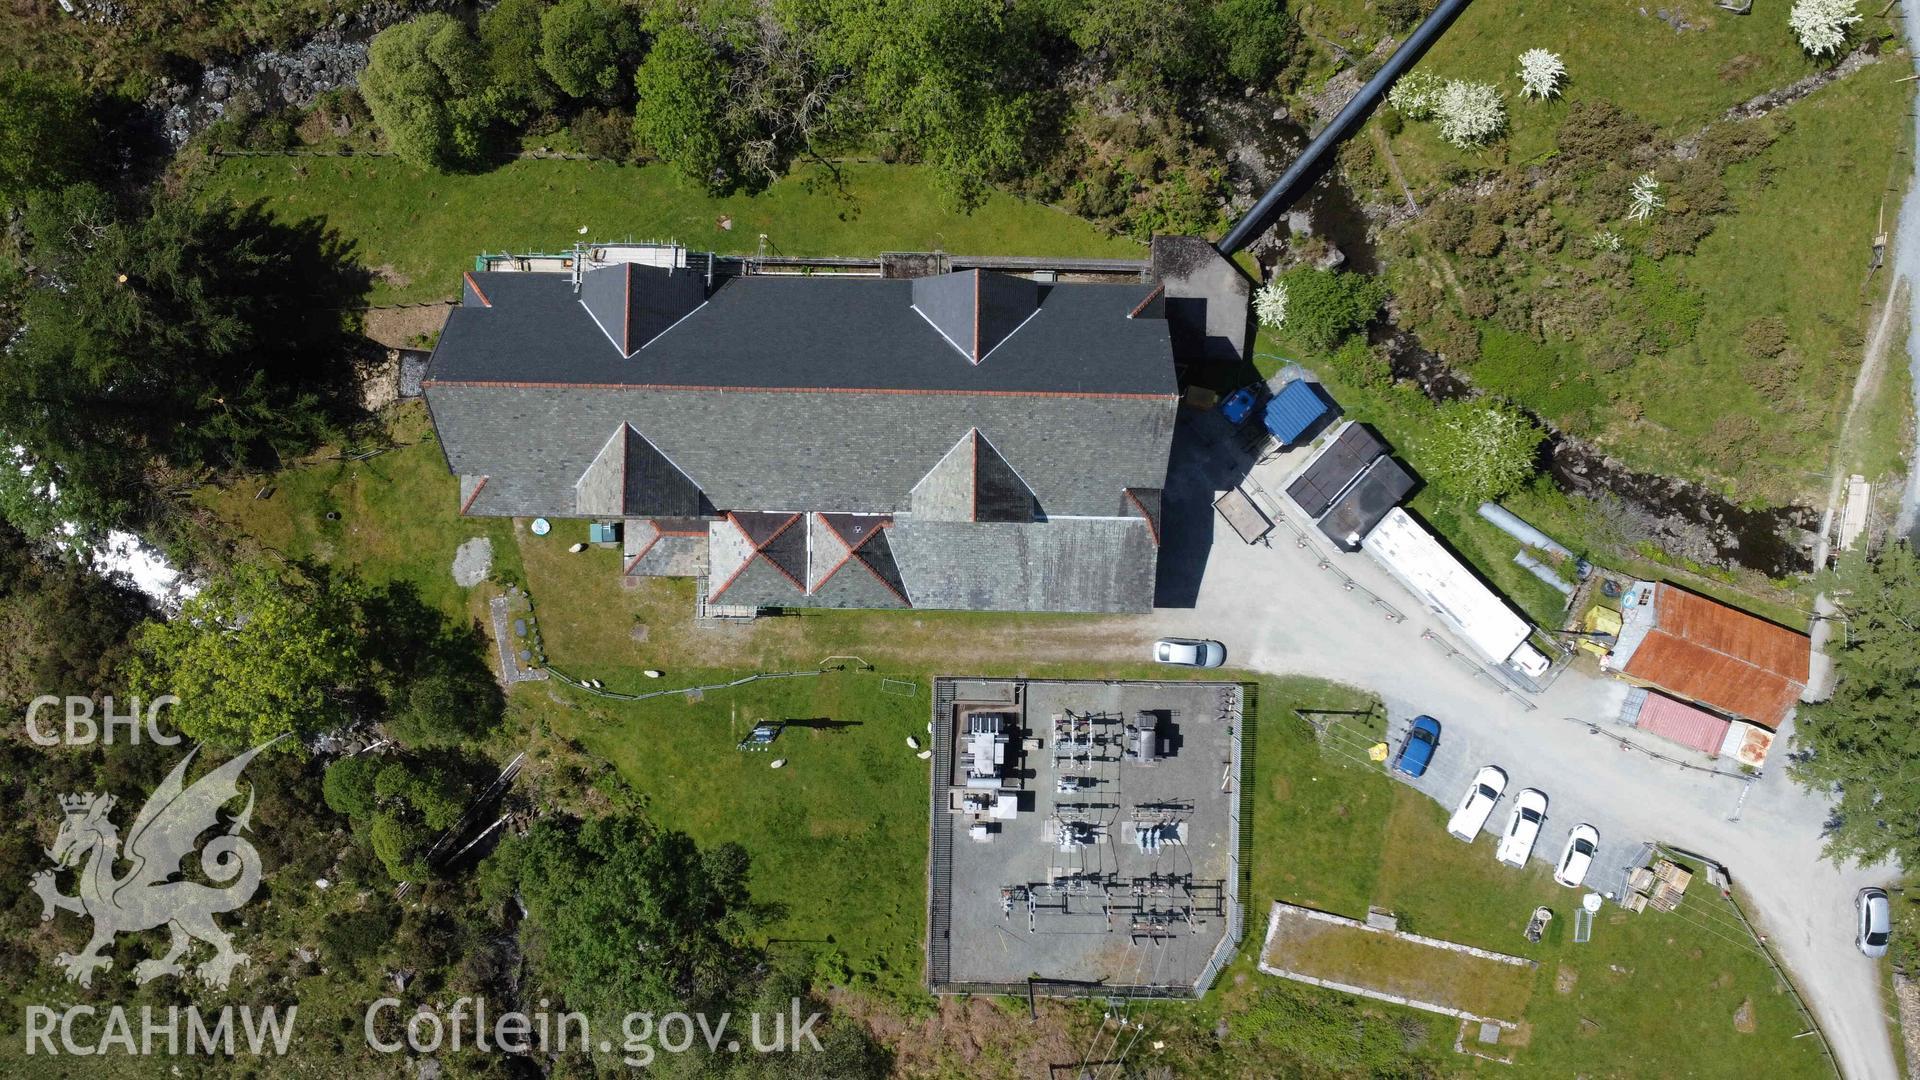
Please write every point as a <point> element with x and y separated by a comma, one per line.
<point>976,310</point>
<point>633,304</point>
<point>1722,657</point>
<point>833,421</point>
<point>631,477</point>
<point>843,563</point>
<point>1083,564</point>
<point>804,332</point>
<point>973,482</point>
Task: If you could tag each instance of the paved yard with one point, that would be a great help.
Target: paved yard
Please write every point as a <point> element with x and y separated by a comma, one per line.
<point>1277,611</point>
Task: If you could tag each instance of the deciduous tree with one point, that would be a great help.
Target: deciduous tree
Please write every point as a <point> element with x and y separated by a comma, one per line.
<point>588,47</point>
<point>427,85</point>
<point>260,652</point>
<point>1324,306</point>
<point>1480,449</point>
<point>680,114</point>
<point>635,917</point>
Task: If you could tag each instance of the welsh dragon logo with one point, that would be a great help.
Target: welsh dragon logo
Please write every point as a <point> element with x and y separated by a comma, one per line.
<point>143,898</point>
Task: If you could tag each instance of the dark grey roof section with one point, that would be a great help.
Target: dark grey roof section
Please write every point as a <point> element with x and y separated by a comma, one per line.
<point>876,556</point>
<point>787,550</point>
<point>831,452</point>
<point>1334,468</point>
<point>633,304</point>
<point>1379,490</point>
<point>603,292</point>
<point>797,332</point>
<point>1080,564</point>
<point>632,477</point>
<point>976,310</point>
<point>998,492</point>
<point>854,529</point>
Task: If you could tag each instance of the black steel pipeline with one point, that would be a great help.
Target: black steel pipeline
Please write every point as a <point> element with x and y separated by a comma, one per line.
<point>1308,166</point>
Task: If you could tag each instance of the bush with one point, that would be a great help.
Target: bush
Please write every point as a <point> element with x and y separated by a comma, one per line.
<point>1480,449</point>
<point>604,133</point>
<point>1400,14</point>
<point>426,85</point>
<point>353,936</point>
<point>585,46</point>
<point>1597,132</point>
<point>1324,306</point>
<point>348,786</point>
<point>1448,222</point>
<point>1258,39</point>
<point>446,708</point>
<point>682,87</point>
<point>1765,337</point>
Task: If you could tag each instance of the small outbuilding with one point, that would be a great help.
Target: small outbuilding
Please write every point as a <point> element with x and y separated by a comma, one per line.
<point>1706,652</point>
<point>1295,410</point>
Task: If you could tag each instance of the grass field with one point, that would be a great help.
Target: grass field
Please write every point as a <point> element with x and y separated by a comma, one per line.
<point>1679,79</point>
<point>1796,245</point>
<point>419,229</point>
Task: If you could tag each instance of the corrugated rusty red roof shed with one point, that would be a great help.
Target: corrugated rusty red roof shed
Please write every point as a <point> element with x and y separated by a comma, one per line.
<point>1722,657</point>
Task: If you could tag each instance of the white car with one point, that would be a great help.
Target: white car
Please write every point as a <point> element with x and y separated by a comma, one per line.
<point>1477,804</point>
<point>1876,922</point>
<point>1523,827</point>
<point>1189,652</point>
<point>1577,857</point>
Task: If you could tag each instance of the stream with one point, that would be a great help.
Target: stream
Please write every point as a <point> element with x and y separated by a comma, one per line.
<point>1683,518</point>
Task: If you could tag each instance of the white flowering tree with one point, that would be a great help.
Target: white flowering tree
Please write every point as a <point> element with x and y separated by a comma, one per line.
<point>1270,303</point>
<point>1541,73</point>
<point>1413,95</point>
<point>1645,198</point>
<point>1469,113</point>
<point>1821,25</point>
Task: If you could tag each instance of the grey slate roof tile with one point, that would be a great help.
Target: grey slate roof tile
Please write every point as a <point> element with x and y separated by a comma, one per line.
<point>1083,564</point>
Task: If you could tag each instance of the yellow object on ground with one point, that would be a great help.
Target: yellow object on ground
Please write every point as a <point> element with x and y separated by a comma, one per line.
<point>1599,620</point>
<point>1378,751</point>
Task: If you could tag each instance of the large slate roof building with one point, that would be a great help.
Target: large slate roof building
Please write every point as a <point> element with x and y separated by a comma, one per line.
<point>970,439</point>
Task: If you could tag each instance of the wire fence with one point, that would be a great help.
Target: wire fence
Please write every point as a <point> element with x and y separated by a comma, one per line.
<point>590,687</point>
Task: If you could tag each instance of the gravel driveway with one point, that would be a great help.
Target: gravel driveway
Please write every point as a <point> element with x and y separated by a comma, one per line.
<point>1277,611</point>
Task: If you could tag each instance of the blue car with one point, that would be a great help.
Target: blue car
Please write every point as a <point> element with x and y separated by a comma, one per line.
<point>1417,752</point>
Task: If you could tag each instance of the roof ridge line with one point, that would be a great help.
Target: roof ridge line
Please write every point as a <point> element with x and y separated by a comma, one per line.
<point>518,384</point>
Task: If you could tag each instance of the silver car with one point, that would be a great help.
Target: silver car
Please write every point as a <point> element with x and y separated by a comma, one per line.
<point>1189,652</point>
<point>1876,922</point>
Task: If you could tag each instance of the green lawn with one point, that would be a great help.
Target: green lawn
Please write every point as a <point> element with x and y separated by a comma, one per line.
<point>1678,80</point>
<point>1796,245</point>
<point>396,515</point>
<point>420,229</point>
